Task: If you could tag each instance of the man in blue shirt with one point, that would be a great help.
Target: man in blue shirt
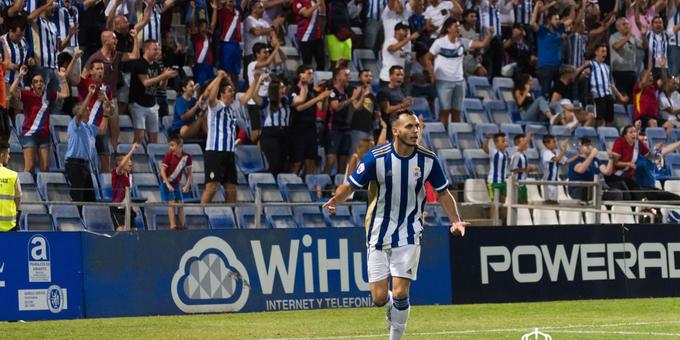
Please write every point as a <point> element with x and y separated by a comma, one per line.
<point>81,137</point>
<point>549,40</point>
<point>584,168</point>
<point>646,170</point>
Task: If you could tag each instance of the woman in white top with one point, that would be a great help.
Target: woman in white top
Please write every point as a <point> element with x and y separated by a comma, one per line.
<point>669,102</point>
<point>448,53</point>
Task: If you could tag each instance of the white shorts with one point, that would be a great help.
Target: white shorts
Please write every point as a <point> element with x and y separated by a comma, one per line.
<point>400,262</point>
<point>550,193</point>
<point>144,118</point>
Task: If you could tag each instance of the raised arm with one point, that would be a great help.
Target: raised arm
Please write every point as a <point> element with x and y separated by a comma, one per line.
<point>14,88</point>
<point>145,18</point>
<point>134,55</point>
<point>533,23</point>
<point>253,91</point>
<point>16,8</point>
<point>112,14</point>
<point>121,166</point>
<point>480,44</point>
<point>213,89</point>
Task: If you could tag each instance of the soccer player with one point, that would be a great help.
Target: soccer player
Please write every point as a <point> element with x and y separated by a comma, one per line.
<point>395,174</point>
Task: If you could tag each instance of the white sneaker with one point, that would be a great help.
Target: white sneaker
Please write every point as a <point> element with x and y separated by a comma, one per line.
<point>388,313</point>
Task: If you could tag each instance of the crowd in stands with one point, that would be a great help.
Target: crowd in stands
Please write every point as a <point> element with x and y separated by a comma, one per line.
<point>312,84</point>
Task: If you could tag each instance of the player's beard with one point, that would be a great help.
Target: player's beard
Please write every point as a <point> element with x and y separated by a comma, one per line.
<point>407,142</point>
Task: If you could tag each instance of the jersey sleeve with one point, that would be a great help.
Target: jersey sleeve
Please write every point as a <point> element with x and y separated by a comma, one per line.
<point>364,173</point>
<point>644,149</point>
<point>514,161</point>
<point>437,177</point>
<point>188,165</point>
<point>166,159</point>
<point>434,49</point>
<point>618,146</point>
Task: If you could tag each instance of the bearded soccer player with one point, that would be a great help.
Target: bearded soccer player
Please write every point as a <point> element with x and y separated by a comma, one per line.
<point>395,174</point>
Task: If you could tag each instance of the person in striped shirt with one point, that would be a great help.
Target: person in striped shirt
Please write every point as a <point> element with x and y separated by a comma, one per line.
<point>220,145</point>
<point>498,168</point>
<point>673,31</point>
<point>175,163</point>
<point>602,87</point>
<point>275,110</point>
<point>656,43</point>
<point>395,174</point>
<point>152,30</point>
<point>373,26</point>
<point>43,39</point>
<point>552,158</point>
<point>519,164</point>
<point>15,50</point>
<point>35,131</point>
<point>490,16</point>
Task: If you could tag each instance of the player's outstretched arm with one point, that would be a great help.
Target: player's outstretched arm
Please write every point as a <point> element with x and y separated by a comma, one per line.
<point>341,194</point>
<point>448,203</point>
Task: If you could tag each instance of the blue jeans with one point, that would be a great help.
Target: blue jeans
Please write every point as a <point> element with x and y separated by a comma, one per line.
<point>540,105</point>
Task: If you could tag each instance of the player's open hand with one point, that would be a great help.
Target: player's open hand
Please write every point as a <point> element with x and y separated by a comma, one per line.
<point>330,205</point>
<point>458,228</point>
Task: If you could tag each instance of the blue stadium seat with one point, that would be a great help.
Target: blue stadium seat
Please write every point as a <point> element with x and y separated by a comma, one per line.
<point>341,219</point>
<point>59,128</point>
<point>607,136</point>
<point>586,131</point>
<point>503,88</point>
<point>16,157</point>
<point>463,136</point>
<point>29,190</point>
<point>61,155</point>
<point>198,162</point>
<point>453,164</point>
<point>656,136</point>
<point>511,130</point>
<point>474,112</point>
<point>127,131</point>
<point>147,186</point>
<point>267,184</point>
<point>13,137</point>
<point>477,162</point>
<point>359,215</point>
<point>97,218</point>
<point>196,218</point>
<point>53,186</point>
<point>323,181</point>
<point>246,218</point>
<point>19,122</point>
<point>34,221</point>
<point>66,218</point>
<point>674,135</point>
<point>249,159</point>
<point>157,218</point>
<point>498,111</point>
<point>481,131</point>
<point>422,108</point>
<point>673,162</point>
<point>309,217</point>
<point>436,136</point>
<point>221,217</point>
<point>561,133</point>
<point>105,185</point>
<point>538,132</point>
<point>622,117</point>
<point>479,87</point>
<point>535,160</point>
<point>140,160</point>
<point>338,179</point>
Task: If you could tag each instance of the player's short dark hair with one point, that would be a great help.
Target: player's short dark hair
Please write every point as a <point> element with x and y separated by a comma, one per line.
<point>517,138</point>
<point>96,61</point>
<point>498,136</point>
<point>4,147</point>
<point>394,68</point>
<point>585,141</point>
<point>468,12</point>
<point>258,47</point>
<point>303,68</point>
<point>363,71</point>
<point>547,138</point>
<point>395,115</point>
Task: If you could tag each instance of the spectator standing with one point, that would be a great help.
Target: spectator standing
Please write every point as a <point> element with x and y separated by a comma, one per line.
<point>220,164</point>
<point>447,72</point>
<point>230,53</point>
<point>584,168</point>
<point>673,31</point>
<point>44,43</point>
<point>35,132</point>
<point>645,105</point>
<point>175,163</point>
<point>275,110</point>
<point>498,168</point>
<point>15,49</point>
<point>656,43</point>
<point>120,181</point>
<point>520,51</point>
<point>552,158</point>
<point>10,187</point>
<point>490,16</point>
<point>625,153</point>
<point>92,23</point>
<point>602,87</point>
<point>472,62</point>
<point>669,101</point>
<point>519,165</point>
<point>393,98</point>
<point>395,51</point>
<point>66,20</point>
<point>146,78</point>
<point>82,130</point>
<point>310,44</point>
<point>549,42</point>
<point>373,27</point>
<point>303,135</point>
<point>152,30</point>
<point>257,30</point>
<point>339,136</point>
<point>338,32</point>
<point>437,13</point>
<point>204,57</point>
<point>364,118</point>
<point>624,48</point>
<point>265,60</point>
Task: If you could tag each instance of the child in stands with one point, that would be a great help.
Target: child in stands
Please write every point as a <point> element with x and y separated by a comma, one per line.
<point>552,158</point>
<point>519,165</point>
<point>175,163</point>
<point>120,179</point>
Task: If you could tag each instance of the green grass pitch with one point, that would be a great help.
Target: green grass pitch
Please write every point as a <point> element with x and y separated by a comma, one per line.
<point>591,319</point>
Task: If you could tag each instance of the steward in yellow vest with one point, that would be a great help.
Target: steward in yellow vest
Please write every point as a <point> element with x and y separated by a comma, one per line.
<point>10,193</point>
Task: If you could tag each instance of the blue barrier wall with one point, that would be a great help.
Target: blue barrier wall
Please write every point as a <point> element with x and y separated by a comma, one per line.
<point>166,272</point>
<point>41,276</point>
<point>536,263</point>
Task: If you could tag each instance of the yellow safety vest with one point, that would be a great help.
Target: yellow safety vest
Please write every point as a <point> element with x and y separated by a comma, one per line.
<point>8,209</point>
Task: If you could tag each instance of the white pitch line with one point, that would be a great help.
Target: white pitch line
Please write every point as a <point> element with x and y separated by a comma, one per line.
<point>556,329</point>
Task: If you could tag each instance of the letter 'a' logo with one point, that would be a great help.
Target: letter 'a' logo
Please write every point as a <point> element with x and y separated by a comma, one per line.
<point>210,278</point>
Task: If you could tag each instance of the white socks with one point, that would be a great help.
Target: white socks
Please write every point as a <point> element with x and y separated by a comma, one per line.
<point>399,316</point>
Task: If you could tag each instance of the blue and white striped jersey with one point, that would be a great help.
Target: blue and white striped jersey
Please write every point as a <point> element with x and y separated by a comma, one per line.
<point>17,54</point>
<point>519,161</point>
<point>600,79</point>
<point>658,46</point>
<point>523,12</point>
<point>396,192</point>
<point>375,9</point>
<point>64,19</point>
<point>489,16</point>
<point>44,41</point>
<point>498,164</point>
<point>152,30</point>
<point>577,48</point>
<point>30,6</point>
<point>279,118</point>
<point>673,20</point>
<point>551,169</point>
<point>222,127</point>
